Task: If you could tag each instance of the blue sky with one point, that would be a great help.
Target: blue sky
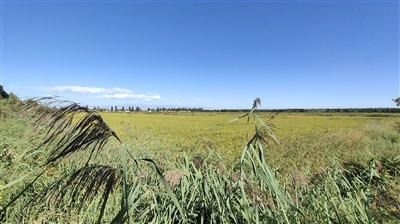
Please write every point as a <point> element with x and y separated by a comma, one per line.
<point>210,54</point>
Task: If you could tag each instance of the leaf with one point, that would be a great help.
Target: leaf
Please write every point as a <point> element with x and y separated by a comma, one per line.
<point>167,188</point>
<point>233,120</point>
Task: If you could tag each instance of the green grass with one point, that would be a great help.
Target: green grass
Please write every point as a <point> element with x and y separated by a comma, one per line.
<point>325,169</point>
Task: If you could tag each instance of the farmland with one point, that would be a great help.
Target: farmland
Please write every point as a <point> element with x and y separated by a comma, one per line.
<point>305,139</point>
<point>196,167</point>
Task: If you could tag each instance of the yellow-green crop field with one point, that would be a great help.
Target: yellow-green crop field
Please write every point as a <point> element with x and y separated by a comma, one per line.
<point>306,140</point>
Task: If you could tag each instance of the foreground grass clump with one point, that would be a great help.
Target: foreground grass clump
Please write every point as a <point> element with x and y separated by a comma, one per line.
<point>56,168</point>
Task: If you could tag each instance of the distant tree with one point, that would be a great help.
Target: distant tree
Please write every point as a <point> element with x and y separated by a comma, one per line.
<point>123,109</point>
<point>112,108</point>
<point>397,101</point>
<point>137,109</point>
<point>116,108</point>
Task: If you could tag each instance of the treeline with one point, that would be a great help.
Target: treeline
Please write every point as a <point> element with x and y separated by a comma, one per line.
<point>138,109</point>
<point>178,109</point>
<point>292,110</point>
<point>131,109</point>
<point>328,110</point>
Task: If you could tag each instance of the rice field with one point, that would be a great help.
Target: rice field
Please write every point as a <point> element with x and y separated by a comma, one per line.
<point>305,139</point>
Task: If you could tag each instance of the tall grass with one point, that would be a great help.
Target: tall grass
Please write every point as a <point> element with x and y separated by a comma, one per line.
<point>57,168</point>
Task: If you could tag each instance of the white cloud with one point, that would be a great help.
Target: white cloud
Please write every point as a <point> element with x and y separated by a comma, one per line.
<point>197,100</point>
<point>85,89</point>
<point>131,96</point>
<point>111,93</point>
<point>175,99</point>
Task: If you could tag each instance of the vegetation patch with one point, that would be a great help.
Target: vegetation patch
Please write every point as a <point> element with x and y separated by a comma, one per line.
<point>74,165</point>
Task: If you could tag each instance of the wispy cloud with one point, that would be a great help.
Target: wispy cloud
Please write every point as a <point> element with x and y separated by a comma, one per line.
<point>131,96</point>
<point>198,99</point>
<point>106,93</point>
